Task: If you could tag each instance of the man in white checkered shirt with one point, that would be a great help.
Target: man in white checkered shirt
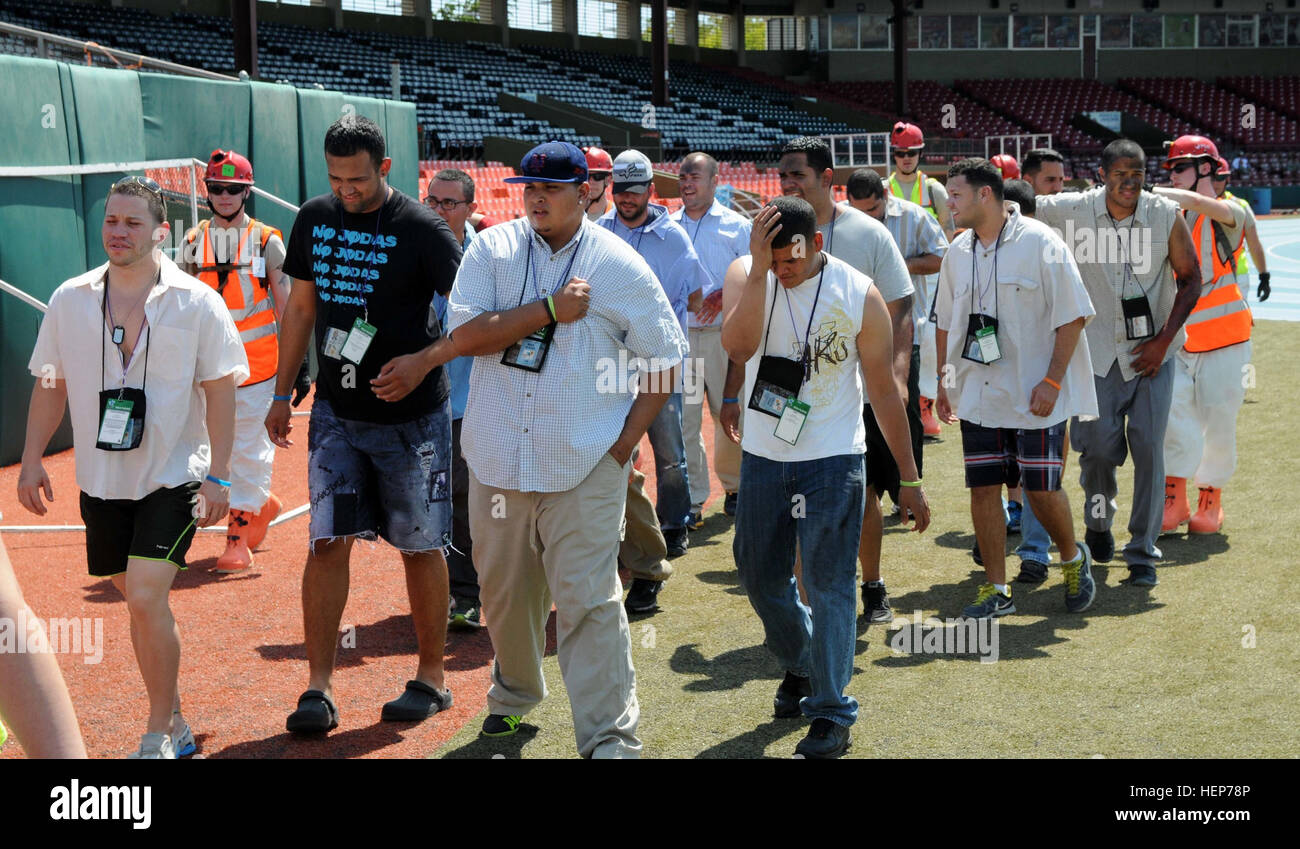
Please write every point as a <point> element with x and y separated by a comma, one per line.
<point>557,312</point>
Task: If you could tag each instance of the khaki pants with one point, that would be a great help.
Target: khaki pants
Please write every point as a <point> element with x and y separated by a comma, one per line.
<point>532,547</point>
<point>707,367</point>
<point>643,549</point>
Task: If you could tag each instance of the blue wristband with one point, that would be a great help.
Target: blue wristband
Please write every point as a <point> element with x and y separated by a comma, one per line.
<point>218,481</point>
<point>731,400</point>
<point>281,397</point>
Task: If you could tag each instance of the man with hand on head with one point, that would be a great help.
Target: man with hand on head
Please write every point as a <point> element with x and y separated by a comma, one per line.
<point>720,236</point>
<point>545,304</point>
<point>367,261</point>
<point>806,171</point>
<point>1142,296</point>
<point>1010,322</point>
<point>146,359</point>
<point>802,480</point>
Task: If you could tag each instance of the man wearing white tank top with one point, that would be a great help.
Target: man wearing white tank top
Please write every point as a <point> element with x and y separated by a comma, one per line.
<point>811,331</point>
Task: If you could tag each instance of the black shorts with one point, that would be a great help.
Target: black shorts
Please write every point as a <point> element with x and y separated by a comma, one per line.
<point>1014,456</point>
<point>882,470</point>
<point>159,526</point>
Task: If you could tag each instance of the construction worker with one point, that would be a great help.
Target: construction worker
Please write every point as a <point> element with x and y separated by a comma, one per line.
<point>1250,239</point>
<point>1201,439</point>
<point>240,257</point>
<point>600,167</point>
<point>1006,163</point>
<point>908,181</point>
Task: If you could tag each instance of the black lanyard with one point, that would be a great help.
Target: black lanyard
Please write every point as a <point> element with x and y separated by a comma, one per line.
<point>374,244</point>
<point>103,346</point>
<point>640,230</point>
<point>830,229</point>
<point>1126,247</point>
<point>975,283</point>
<point>808,330</point>
<point>528,262</point>
<point>698,224</point>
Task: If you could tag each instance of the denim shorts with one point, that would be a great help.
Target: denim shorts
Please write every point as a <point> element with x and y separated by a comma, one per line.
<point>381,480</point>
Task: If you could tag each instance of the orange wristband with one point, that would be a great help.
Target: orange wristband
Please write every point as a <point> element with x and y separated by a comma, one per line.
<point>1052,383</point>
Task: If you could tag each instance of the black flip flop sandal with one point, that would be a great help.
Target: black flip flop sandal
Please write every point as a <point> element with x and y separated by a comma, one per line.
<point>419,701</point>
<point>316,714</point>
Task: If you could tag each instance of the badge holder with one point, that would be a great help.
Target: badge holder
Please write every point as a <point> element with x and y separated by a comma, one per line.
<point>530,352</point>
<point>358,341</point>
<point>792,421</point>
<point>981,344</point>
<point>1138,321</point>
<point>776,385</point>
<point>121,419</point>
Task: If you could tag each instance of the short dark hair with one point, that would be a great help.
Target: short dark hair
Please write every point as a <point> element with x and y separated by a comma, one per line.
<point>1022,193</point>
<point>710,164</point>
<point>136,188</point>
<point>815,150</point>
<point>865,183</point>
<point>797,219</point>
<point>353,134</point>
<point>1121,149</point>
<point>455,175</point>
<point>979,172</point>
<point>1034,159</point>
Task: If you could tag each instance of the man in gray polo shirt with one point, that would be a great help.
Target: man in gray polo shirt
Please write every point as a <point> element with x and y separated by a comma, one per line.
<point>1129,246</point>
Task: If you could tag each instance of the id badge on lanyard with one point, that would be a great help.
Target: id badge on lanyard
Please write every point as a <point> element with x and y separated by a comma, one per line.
<point>982,340</point>
<point>777,384</point>
<point>121,410</point>
<point>530,352</point>
<point>358,341</point>
<point>1138,322</point>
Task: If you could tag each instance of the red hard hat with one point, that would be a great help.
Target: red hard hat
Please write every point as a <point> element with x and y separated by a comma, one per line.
<point>598,159</point>
<point>1189,147</point>
<point>226,166</point>
<point>1224,169</point>
<point>906,137</point>
<point>1006,163</point>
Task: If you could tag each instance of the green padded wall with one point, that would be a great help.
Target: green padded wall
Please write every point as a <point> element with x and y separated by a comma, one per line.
<point>403,146</point>
<point>274,151</point>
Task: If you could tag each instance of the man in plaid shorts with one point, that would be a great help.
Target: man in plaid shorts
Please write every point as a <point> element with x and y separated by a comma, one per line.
<point>1014,367</point>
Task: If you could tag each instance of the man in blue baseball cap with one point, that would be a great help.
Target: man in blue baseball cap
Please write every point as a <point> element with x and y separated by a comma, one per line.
<point>557,313</point>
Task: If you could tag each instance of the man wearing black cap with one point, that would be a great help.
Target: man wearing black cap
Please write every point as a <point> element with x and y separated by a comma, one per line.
<point>557,312</point>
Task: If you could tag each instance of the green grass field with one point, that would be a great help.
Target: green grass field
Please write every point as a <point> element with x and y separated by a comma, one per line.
<point>1143,673</point>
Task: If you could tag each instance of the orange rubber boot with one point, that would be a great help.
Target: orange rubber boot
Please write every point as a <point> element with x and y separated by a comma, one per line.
<point>237,557</point>
<point>1177,510</point>
<point>1209,512</point>
<point>261,520</point>
<point>929,424</point>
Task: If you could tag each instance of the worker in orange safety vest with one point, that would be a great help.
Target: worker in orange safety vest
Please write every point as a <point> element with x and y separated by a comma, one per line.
<point>241,257</point>
<point>1210,370</point>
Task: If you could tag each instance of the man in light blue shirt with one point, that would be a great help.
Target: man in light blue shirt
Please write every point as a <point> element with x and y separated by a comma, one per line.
<point>719,235</point>
<point>451,195</point>
<point>667,249</point>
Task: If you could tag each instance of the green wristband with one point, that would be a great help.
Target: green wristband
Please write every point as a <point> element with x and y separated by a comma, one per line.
<point>916,482</point>
<point>550,305</point>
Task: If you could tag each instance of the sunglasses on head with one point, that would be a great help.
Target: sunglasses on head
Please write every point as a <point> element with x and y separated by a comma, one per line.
<point>906,154</point>
<point>147,183</point>
<point>225,189</point>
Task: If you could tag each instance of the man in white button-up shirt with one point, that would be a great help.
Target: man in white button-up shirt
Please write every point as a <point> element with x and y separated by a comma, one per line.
<point>556,312</point>
<point>139,328</point>
<point>1013,365</point>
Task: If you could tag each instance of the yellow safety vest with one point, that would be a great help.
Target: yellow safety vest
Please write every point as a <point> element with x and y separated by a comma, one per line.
<point>921,195</point>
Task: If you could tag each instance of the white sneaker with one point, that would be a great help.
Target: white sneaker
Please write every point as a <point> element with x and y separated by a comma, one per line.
<point>183,742</point>
<point>154,747</point>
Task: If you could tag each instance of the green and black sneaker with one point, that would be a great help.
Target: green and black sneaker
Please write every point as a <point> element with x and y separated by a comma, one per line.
<point>501,726</point>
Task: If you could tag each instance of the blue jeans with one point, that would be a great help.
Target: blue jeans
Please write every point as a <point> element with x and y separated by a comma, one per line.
<point>819,503</point>
<point>1034,541</point>
<point>673,491</point>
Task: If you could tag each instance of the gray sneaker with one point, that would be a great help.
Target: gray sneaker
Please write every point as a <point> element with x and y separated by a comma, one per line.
<point>1080,588</point>
<point>1031,572</point>
<point>154,747</point>
<point>989,604</point>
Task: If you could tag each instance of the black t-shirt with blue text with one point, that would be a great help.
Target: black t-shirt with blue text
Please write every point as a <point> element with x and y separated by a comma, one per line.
<point>391,261</point>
